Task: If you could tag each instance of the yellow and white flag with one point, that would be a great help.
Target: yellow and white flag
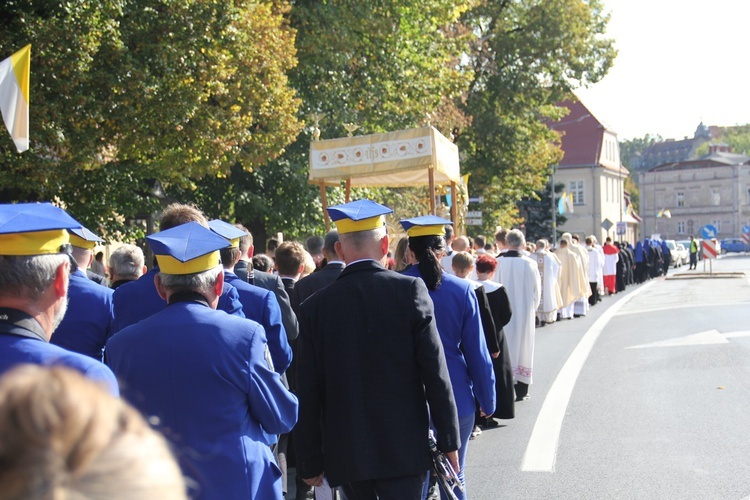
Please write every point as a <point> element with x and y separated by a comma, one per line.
<point>14,96</point>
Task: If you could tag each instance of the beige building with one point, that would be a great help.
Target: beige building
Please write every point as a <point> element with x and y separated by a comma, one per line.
<point>592,173</point>
<point>713,189</point>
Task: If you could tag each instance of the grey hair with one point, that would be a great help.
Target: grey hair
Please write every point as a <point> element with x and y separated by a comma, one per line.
<point>360,239</point>
<point>29,276</point>
<point>201,282</point>
<point>541,244</point>
<point>127,261</point>
<point>515,239</point>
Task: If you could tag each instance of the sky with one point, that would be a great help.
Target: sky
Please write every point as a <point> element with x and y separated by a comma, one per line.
<point>679,62</point>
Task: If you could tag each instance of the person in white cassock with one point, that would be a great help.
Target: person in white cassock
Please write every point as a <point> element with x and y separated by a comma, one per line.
<point>581,305</point>
<point>521,279</point>
<point>596,266</point>
<point>571,282</point>
<point>549,271</point>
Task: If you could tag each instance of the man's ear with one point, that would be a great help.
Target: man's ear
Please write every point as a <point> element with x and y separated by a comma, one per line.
<point>219,286</point>
<point>60,284</point>
<point>339,251</point>
<point>250,251</point>
<point>384,245</point>
<point>159,287</point>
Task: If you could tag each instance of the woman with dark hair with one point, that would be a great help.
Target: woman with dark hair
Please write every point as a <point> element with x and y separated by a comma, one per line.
<point>459,325</point>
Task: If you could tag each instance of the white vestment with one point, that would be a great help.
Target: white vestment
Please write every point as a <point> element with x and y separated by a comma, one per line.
<point>549,271</point>
<point>521,279</point>
<point>596,265</point>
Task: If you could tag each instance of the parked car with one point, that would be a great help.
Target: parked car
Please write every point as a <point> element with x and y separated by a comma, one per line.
<point>733,245</point>
<point>680,254</point>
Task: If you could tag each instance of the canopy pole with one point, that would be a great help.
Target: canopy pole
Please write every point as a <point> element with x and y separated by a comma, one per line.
<point>454,210</point>
<point>325,205</point>
<point>348,189</point>
<point>431,174</point>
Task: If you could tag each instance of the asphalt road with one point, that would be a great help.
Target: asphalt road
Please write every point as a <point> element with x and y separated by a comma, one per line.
<point>647,396</point>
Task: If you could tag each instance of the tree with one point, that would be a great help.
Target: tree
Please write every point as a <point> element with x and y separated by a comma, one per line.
<point>528,55</point>
<point>127,92</point>
<point>537,213</point>
<point>384,66</point>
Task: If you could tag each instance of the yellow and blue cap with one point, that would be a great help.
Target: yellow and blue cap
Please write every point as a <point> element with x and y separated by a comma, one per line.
<point>83,238</point>
<point>186,249</point>
<point>34,229</point>
<point>227,231</point>
<point>426,225</point>
<point>360,215</point>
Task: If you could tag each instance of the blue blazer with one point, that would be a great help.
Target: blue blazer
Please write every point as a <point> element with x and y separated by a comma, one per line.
<point>87,324</point>
<point>260,305</point>
<point>460,329</point>
<point>137,300</point>
<point>15,350</point>
<point>204,376</point>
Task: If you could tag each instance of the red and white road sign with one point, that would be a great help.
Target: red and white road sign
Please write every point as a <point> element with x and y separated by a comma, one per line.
<point>709,249</point>
<point>745,238</point>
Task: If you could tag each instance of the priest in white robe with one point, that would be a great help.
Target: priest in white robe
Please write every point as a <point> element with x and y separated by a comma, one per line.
<point>549,271</point>
<point>596,268</point>
<point>571,281</point>
<point>581,305</point>
<point>521,279</point>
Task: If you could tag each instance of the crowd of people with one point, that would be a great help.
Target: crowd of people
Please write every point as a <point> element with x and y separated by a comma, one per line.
<point>219,370</point>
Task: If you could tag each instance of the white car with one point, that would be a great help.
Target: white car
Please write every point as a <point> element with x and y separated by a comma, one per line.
<point>680,254</point>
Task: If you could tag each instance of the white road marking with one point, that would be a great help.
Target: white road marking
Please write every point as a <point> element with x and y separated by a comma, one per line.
<point>703,338</point>
<point>734,335</point>
<point>541,452</point>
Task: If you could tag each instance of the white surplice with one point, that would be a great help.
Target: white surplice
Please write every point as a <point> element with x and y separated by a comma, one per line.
<point>549,270</point>
<point>521,279</point>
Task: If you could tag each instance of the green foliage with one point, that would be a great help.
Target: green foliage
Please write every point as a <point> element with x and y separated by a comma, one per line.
<point>125,92</point>
<point>528,55</point>
<point>736,137</point>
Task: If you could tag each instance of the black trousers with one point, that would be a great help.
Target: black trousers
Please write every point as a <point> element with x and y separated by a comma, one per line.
<point>693,260</point>
<point>594,298</point>
<point>394,488</point>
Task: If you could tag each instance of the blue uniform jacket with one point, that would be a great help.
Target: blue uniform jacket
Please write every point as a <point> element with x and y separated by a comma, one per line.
<point>260,305</point>
<point>460,328</point>
<point>139,299</point>
<point>204,375</point>
<point>88,321</point>
<point>15,350</point>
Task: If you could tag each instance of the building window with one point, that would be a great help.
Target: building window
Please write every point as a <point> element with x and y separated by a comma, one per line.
<point>681,227</point>
<point>715,197</point>
<point>575,188</point>
<point>680,198</point>
<point>717,224</point>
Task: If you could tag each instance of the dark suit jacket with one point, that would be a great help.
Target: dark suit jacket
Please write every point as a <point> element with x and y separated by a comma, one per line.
<point>314,282</point>
<point>370,357</point>
<point>272,282</point>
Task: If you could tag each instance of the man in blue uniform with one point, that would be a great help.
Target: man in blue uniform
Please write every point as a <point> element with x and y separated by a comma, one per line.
<point>370,361</point>
<point>204,375</point>
<point>258,304</point>
<point>138,299</point>
<point>88,323</point>
<point>34,271</point>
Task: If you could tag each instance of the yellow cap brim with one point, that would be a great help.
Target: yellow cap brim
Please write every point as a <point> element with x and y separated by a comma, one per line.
<point>170,265</point>
<point>351,226</point>
<point>79,242</point>
<point>415,231</point>
<point>33,243</point>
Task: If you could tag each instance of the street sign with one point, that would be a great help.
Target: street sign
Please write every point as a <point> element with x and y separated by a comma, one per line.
<point>473,222</point>
<point>708,231</point>
<point>607,224</point>
<point>745,238</point>
<point>622,228</point>
<point>710,250</point>
<point>476,199</point>
<point>745,229</point>
<point>474,214</point>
